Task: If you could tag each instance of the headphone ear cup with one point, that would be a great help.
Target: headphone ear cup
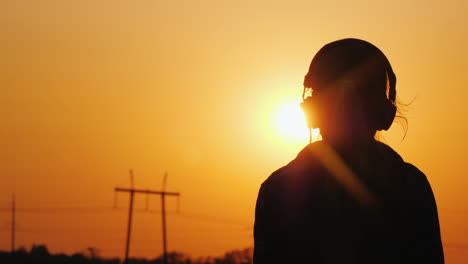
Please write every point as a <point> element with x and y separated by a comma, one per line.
<point>308,107</point>
<point>387,115</point>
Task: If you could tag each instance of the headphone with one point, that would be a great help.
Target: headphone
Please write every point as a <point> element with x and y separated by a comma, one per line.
<point>339,63</point>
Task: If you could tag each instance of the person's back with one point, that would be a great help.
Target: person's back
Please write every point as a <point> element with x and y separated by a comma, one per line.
<point>346,201</point>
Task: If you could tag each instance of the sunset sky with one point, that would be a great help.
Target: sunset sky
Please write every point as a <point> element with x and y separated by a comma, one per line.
<point>90,89</point>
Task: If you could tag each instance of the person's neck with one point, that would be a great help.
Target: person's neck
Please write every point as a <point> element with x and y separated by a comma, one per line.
<point>357,152</point>
<point>350,145</point>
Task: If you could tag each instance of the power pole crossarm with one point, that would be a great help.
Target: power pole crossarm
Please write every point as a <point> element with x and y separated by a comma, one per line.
<point>146,191</point>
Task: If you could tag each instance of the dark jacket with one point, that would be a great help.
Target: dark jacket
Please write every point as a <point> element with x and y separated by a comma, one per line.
<point>304,214</point>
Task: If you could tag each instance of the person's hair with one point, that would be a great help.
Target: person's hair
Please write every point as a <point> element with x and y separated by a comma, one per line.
<point>400,118</point>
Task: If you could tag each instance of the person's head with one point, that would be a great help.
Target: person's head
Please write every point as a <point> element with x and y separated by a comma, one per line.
<point>353,90</point>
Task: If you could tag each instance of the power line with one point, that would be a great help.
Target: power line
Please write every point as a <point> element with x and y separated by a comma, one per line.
<point>60,209</point>
<point>104,209</point>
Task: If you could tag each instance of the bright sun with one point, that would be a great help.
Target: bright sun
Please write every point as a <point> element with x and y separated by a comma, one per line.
<point>289,123</point>
<point>283,120</point>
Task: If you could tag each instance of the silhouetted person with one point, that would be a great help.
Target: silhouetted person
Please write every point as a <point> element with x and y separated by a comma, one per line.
<point>348,198</point>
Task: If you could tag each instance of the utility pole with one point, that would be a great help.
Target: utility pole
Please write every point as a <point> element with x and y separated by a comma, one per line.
<point>13,211</point>
<point>130,215</point>
<point>163,194</point>
<point>163,214</point>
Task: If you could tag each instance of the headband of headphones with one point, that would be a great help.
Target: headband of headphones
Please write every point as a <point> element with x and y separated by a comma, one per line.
<point>346,56</point>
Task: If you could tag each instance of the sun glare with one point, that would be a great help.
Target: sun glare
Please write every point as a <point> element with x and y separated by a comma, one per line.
<point>289,124</point>
<point>290,121</point>
<point>284,120</point>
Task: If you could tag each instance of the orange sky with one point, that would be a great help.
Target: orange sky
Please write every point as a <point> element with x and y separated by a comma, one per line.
<point>93,88</point>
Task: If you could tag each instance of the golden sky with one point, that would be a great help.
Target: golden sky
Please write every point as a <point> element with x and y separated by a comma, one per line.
<point>93,88</point>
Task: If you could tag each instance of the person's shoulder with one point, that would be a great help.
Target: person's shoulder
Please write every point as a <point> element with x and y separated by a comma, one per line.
<point>407,169</point>
<point>303,162</point>
<point>413,170</point>
<point>415,177</point>
<point>387,153</point>
<point>276,177</point>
